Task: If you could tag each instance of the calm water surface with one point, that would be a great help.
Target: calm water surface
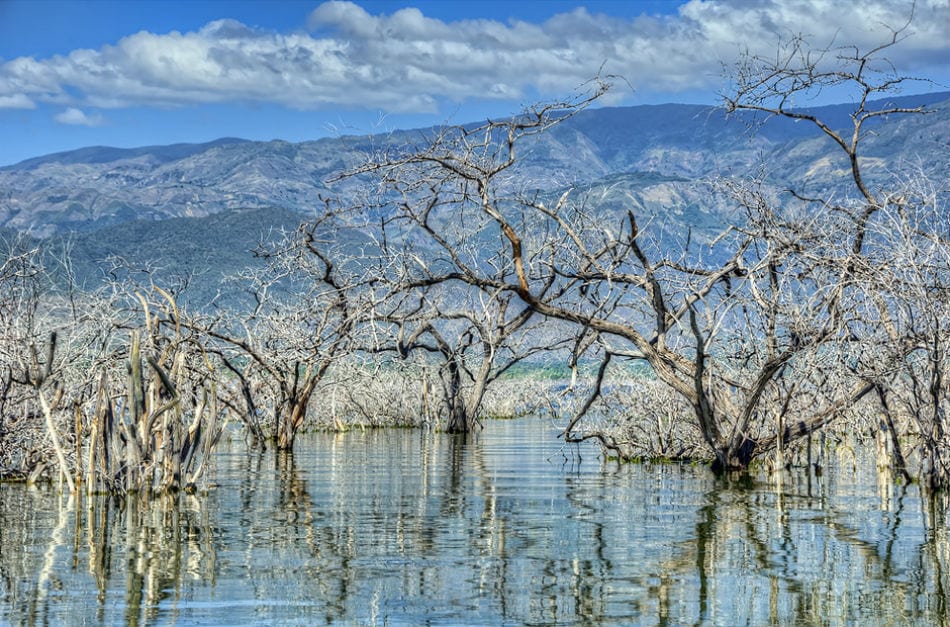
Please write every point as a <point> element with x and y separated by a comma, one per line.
<point>401,527</point>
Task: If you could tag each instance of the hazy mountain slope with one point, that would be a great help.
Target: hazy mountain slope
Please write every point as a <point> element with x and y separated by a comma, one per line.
<point>93,188</point>
<point>199,209</point>
<point>62,194</point>
<point>206,253</point>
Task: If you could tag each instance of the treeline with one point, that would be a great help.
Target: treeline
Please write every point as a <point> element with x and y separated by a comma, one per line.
<point>442,266</point>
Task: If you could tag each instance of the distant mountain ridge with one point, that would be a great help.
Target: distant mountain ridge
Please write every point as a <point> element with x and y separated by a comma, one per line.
<point>108,154</point>
<point>97,187</point>
<point>199,209</point>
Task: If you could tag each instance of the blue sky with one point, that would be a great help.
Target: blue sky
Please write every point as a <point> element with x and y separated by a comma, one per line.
<point>131,73</point>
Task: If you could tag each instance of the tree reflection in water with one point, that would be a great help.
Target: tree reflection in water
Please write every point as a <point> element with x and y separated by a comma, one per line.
<point>410,527</point>
<point>136,554</point>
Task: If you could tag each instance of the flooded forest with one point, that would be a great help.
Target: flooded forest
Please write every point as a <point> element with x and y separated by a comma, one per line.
<point>467,393</point>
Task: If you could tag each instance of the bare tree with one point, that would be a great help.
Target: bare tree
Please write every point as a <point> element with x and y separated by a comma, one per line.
<point>301,324</point>
<point>155,418</point>
<point>51,336</point>
<point>907,283</point>
<point>475,341</point>
<point>886,242</point>
<point>440,269</point>
<point>26,365</point>
<point>756,330</point>
<point>77,359</point>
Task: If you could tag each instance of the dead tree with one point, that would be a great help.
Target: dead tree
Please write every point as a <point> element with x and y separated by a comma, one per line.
<point>155,426</point>
<point>50,337</point>
<point>756,329</point>
<point>883,292</point>
<point>300,325</point>
<point>908,288</point>
<point>473,342</point>
<point>439,274</point>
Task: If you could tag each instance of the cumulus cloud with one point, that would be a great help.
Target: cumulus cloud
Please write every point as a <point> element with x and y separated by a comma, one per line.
<point>16,101</point>
<point>407,62</point>
<point>75,116</point>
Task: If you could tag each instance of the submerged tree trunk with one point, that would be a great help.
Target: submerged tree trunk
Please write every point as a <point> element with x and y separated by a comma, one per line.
<point>459,420</point>
<point>290,416</point>
<point>464,405</point>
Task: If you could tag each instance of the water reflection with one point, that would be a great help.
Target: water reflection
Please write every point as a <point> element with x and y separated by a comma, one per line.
<point>403,527</point>
<point>109,562</point>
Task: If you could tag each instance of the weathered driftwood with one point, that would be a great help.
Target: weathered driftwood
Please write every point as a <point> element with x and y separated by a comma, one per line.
<point>157,434</point>
<point>151,429</point>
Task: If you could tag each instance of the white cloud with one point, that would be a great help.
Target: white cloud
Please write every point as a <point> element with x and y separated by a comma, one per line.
<point>16,101</point>
<point>407,62</point>
<point>75,116</point>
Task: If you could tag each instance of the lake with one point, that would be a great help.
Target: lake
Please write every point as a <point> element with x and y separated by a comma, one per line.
<point>511,527</point>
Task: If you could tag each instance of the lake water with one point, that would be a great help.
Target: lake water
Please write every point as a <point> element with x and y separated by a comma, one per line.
<point>404,527</point>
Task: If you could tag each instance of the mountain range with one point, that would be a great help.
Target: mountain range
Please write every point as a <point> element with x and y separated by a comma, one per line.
<point>200,208</point>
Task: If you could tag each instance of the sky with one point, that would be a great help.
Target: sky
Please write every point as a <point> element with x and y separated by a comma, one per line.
<point>129,73</point>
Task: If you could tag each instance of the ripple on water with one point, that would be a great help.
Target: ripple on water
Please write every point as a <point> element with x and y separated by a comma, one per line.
<point>511,527</point>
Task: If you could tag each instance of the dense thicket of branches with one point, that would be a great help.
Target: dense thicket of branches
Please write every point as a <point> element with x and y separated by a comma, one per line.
<point>451,264</point>
<point>806,308</point>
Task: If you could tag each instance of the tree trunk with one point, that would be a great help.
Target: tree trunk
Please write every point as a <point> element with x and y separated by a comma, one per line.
<point>458,419</point>
<point>735,458</point>
<point>293,412</point>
